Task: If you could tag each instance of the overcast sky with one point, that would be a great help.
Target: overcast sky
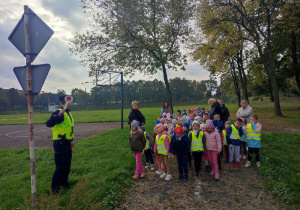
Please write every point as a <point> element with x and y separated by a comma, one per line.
<point>65,17</point>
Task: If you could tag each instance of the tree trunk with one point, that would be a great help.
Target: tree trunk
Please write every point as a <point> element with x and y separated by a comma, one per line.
<point>169,94</point>
<point>296,65</point>
<point>244,77</point>
<point>271,90</point>
<point>235,82</point>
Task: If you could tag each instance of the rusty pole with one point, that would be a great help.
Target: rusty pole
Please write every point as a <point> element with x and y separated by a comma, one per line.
<point>30,104</point>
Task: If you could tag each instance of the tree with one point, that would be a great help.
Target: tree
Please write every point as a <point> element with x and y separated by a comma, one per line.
<point>135,35</point>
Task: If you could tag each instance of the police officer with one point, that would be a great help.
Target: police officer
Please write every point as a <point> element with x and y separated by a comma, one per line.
<point>62,124</point>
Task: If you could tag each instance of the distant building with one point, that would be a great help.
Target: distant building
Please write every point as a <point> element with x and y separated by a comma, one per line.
<point>52,107</point>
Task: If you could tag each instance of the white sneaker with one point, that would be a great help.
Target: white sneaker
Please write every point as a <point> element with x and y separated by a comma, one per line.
<point>168,177</point>
<point>257,164</point>
<point>158,171</point>
<point>163,175</point>
<point>152,167</point>
<point>146,166</point>
<point>248,163</point>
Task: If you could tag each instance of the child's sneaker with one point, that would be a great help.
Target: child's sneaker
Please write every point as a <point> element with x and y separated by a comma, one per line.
<point>248,163</point>
<point>212,173</point>
<point>159,172</point>
<point>152,167</point>
<point>227,161</point>
<point>163,175</point>
<point>198,175</point>
<point>168,177</point>
<point>239,164</point>
<point>180,178</point>
<point>142,175</point>
<point>208,168</point>
<point>217,177</point>
<point>190,167</point>
<point>244,157</point>
<point>135,176</point>
<point>231,163</point>
<point>186,177</point>
<point>257,164</point>
<point>146,166</point>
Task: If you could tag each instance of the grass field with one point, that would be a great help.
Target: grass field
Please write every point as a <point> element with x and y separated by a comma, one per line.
<point>290,110</point>
<point>107,163</point>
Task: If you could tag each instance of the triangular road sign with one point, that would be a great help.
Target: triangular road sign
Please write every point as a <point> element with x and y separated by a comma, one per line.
<point>38,76</point>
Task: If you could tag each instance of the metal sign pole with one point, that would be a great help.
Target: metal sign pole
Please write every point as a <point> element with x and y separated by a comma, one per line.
<point>30,104</point>
<point>122,102</point>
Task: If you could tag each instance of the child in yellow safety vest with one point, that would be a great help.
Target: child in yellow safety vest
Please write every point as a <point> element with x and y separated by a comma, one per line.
<point>226,148</point>
<point>161,147</point>
<point>147,150</point>
<point>197,148</point>
<point>253,131</point>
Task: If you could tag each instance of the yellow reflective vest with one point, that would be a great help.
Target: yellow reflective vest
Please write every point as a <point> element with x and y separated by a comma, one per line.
<point>252,134</point>
<point>224,137</point>
<point>197,144</point>
<point>234,133</point>
<point>161,147</point>
<point>64,130</point>
<point>147,141</point>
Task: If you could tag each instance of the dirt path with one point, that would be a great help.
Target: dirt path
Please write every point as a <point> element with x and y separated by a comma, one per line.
<point>238,188</point>
<point>16,136</point>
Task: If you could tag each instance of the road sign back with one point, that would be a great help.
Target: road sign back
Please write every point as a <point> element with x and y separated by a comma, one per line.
<point>38,76</point>
<point>39,33</point>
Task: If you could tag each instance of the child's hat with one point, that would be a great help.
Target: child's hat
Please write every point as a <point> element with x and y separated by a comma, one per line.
<point>192,110</point>
<point>183,119</point>
<point>198,108</point>
<point>196,122</point>
<point>142,128</point>
<point>164,114</point>
<point>163,120</point>
<point>183,110</point>
<point>168,118</point>
<point>202,126</point>
<point>168,115</point>
<point>228,122</point>
<point>215,122</point>
<point>161,126</point>
<point>189,121</point>
<point>197,118</point>
<point>209,124</point>
<point>135,124</point>
<point>174,121</point>
<point>186,124</point>
<point>203,108</point>
<point>178,130</point>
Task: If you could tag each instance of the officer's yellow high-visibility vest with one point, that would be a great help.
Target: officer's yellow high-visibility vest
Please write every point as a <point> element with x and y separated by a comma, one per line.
<point>197,144</point>
<point>252,134</point>
<point>64,129</point>
<point>234,133</point>
<point>161,147</point>
<point>224,137</point>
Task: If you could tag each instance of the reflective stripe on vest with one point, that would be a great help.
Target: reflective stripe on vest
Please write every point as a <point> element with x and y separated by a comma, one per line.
<point>252,134</point>
<point>64,129</point>
<point>234,133</point>
<point>161,148</point>
<point>203,123</point>
<point>197,144</point>
<point>224,137</point>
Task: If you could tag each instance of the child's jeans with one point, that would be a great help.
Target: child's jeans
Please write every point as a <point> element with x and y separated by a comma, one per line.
<point>212,157</point>
<point>138,162</point>
<point>182,158</point>
<point>250,153</point>
<point>234,150</point>
<point>148,155</point>
<point>197,160</point>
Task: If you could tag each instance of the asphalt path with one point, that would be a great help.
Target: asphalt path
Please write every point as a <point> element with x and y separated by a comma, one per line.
<point>17,136</point>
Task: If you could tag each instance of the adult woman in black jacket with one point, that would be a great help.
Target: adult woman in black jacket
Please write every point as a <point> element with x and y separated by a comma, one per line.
<point>135,114</point>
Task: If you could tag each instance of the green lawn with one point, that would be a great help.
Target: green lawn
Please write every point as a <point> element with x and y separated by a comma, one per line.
<point>104,160</point>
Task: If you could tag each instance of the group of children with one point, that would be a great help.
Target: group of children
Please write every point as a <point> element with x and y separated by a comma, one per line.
<point>193,134</point>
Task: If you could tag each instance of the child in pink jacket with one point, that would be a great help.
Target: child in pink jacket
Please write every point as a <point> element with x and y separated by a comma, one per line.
<point>213,147</point>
